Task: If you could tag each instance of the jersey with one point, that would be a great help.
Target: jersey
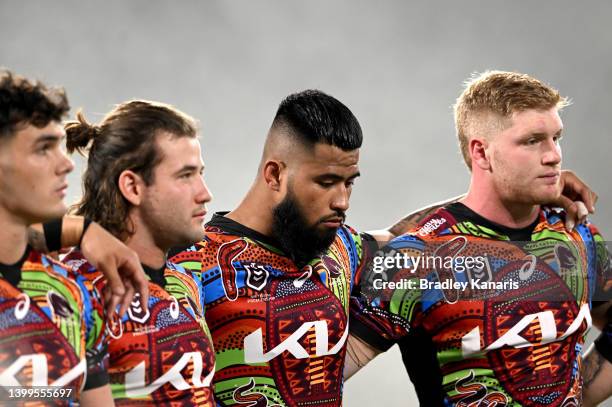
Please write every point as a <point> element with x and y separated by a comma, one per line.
<point>507,329</point>
<point>160,355</point>
<point>50,331</point>
<point>279,331</point>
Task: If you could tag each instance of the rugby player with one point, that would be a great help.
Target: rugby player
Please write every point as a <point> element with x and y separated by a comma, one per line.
<point>511,346</point>
<point>278,270</point>
<point>52,334</point>
<point>144,184</point>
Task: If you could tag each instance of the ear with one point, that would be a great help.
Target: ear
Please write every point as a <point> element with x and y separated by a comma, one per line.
<point>132,187</point>
<point>273,173</point>
<point>479,152</point>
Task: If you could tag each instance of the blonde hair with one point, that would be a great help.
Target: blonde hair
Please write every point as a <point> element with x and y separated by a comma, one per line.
<point>489,100</point>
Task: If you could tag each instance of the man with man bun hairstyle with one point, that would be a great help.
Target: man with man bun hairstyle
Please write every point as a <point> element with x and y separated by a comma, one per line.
<point>51,331</point>
<point>144,183</point>
<point>503,321</point>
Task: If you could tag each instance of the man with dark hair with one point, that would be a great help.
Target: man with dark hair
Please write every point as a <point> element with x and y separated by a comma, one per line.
<point>493,288</point>
<point>277,270</point>
<point>51,332</point>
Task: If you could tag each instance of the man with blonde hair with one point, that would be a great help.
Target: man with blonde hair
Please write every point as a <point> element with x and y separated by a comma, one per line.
<point>501,311</point>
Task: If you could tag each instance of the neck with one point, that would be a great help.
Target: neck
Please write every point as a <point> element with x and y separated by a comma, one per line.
<point>485,201</point>
<point>146,248</point>
<point>254,211</point>
<point>13,237</point>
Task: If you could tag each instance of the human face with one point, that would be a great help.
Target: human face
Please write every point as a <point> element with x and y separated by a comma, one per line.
<point>526,157</point>
<point>174,205</point>
<point>33,170</point>
<point>321,181</point>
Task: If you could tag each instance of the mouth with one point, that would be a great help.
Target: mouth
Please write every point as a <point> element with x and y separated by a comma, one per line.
<point>61,191</point>
<point>200,215</point>
<point>550,177</point>
<point>334,222</point>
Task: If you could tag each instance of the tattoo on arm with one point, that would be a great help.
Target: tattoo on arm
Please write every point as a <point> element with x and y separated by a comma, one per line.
<point>37,240</point>
<point>591,367</point>
<point>414,218</point>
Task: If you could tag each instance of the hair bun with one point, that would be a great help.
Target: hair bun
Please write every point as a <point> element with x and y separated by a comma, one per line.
<point>79,133</point>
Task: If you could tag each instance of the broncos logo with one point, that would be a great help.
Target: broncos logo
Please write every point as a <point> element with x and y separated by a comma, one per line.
<point>243,396</point>
<point>476,394</point>
<point>59,305</point>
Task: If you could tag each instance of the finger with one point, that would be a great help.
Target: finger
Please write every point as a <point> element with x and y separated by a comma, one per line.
<point>571,211</point>
<point>141,284</point>
<point>132,271</point>
<point>127,298</point>
<point>591,201</point>
<point>114,285</point>
<point>582,212</point>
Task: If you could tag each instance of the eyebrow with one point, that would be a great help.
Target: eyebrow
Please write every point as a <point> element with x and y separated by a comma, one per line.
<point>189,168</point>
<point>336,177</point>
<point>48,137</point>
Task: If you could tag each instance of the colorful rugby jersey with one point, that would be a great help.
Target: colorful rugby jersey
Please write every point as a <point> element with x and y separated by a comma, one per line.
<point>50,331</point>
<point>163,355</point>
<point>512,338</point>
<point>279,331</point>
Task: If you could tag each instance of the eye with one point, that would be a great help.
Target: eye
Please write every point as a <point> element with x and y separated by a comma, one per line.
<point>44,148</point>
<point>531,141</point>
<point>350,183</point>
<point>326,184</point>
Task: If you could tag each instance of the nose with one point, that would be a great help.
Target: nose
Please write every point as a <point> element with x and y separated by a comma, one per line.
<point>203,194</point>
<point>340,202</point>
<point>65,164</point>
<point>552,154</point>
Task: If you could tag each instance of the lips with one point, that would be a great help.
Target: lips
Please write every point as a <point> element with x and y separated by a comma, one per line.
<point>335,222</point>
<point>551,177</point>
<point>62,190</point>
<point>201,214</point>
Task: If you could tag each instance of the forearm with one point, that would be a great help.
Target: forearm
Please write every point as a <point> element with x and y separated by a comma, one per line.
<point>414,218</point>
<point>71,233</point>
<point>358,354</point>
<point>597,377</point>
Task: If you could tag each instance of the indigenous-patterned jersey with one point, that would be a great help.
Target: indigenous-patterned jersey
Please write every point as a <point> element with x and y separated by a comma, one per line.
<point>279,331</point>
<point>160,355</point>
<point>508,328</point>
<point>50,331</point>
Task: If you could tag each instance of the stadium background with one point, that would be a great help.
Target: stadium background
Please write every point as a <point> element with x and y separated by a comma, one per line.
<point>398,65</point>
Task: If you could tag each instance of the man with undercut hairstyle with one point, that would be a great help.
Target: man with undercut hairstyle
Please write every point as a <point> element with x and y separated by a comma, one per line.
<point>495,295</point>
<point>278,270</point>
<point>51,333</point>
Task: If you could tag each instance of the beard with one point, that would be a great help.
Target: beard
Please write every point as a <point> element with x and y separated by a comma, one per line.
<point>299,240</point>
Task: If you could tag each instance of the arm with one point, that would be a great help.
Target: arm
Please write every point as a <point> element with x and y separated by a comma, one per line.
<point>358,354</point>
<point>119,264</point>
<point>597,377</point>
<point>100,396</point>
<point>577,198</point>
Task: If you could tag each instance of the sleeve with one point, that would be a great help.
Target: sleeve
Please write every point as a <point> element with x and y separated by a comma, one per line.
<point>96,339</point>
<point>603,270</point>
<point>385,300</point>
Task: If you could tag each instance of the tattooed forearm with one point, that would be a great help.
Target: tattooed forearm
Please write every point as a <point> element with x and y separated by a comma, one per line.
<point>414,218</point>
<point>591,367</point>
<point>36,239</point>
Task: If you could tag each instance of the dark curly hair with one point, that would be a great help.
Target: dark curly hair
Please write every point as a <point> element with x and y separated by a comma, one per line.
<point>28,101</point>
